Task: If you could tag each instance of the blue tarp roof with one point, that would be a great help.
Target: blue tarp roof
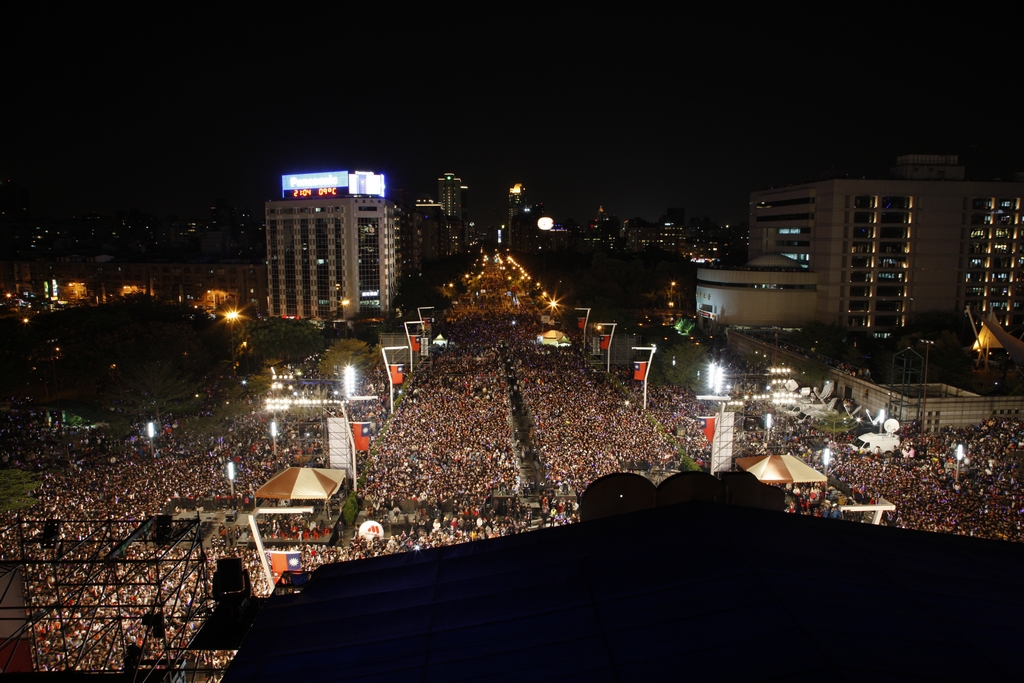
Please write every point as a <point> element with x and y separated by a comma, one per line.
<point>695,590</point>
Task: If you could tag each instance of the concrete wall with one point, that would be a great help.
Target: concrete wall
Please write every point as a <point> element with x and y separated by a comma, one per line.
<point>946,406</point>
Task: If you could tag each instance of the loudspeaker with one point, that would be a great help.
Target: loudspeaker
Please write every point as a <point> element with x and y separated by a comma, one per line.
<point>50,532</point>
<point>163,529</point>
<point>230,579</point>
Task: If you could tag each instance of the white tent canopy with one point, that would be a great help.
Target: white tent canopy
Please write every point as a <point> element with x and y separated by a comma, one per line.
<point>303,483</point>
<point>780,469</point>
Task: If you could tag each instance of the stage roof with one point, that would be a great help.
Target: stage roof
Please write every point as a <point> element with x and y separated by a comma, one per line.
<point>695,590</point>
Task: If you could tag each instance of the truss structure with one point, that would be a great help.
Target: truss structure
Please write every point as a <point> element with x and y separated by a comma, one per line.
<point>113,595</point>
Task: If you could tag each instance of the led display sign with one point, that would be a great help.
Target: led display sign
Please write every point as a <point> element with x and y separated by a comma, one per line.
<point>331,184</point>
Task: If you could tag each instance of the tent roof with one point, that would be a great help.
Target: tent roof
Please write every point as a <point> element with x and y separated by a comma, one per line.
<point>780,469</point>
<point>303,483</point>
<point>658,594</point>
<point>994,336</point>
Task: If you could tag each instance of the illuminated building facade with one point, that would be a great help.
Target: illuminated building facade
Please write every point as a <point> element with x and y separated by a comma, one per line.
<point>883,250</point>
<point>449,195</point>
<point>331,239</point>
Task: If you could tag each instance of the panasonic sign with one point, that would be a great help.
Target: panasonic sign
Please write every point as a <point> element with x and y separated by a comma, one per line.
<point>302,181</point>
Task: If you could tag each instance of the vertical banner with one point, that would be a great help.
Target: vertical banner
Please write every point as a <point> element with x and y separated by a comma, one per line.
<point>721,445</point>
<point>639,369</point>
<point>361,435</point>
<point>339,444</point>
<point>707,425</point>
<point>605,339</point>
<point>581,322</point>
<point>397,373</point>
<point>414,342</point>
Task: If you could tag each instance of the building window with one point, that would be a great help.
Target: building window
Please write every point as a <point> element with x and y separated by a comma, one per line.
<point>862,248</point>
<point>894,217</point>
<point>895,203</point>
<point>860,262</point>
<point>890,291</point>
<point>889,305</point>
<point>860,291</point>
<point>888,320</point>
<point>1007,204</point>
<point>894,233</point>
<point>863,216</point>
<point>981,219</point>
<point>983,203</point>
<point>860,276</point>
<point>864,202</point>
<point>859,305</point>
<point>863,231</point>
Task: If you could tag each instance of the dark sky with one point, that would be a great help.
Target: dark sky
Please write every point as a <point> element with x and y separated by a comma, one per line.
<point>637,117</point>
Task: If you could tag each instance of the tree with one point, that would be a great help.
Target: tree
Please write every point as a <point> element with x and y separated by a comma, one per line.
<point>16,487</point>
<point>345,352</point>
<point>276,339</point>
<point>156,388</point>
<point>828,340</point>
<point>679,364</point>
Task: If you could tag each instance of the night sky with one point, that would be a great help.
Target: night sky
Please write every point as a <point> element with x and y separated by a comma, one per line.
<point>636,116</point>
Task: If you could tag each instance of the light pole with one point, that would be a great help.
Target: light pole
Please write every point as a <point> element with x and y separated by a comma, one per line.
<point>923,417</point>
<point>959,457</point>
<point>273,435</point>
<point>413,348</point>
<point>231,477</point>
<point>586,319</point>
<point>768,431</point>
<point>391,380</point>
<point>151,431</point>
<point>611,336</point>
<point>231,317</point>
<point>647,367</point>
<point>826,455</point>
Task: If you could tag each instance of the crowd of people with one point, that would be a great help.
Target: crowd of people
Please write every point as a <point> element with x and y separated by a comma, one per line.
<point>495,435</point>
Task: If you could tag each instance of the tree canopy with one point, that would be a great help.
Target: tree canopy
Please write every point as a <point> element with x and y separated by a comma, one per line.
<point>277,339</point>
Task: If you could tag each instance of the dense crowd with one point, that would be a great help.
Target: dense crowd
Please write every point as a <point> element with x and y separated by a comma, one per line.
<point>497,434</point>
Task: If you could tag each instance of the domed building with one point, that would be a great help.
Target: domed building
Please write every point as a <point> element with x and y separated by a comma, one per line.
<point>771,289</point>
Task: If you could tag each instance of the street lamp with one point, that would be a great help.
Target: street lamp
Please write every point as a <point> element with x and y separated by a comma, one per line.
<point>413,348</point>
<point>273,435</point>
<point>768,422</point>
<point>151,431</point>
<point>611,336</point>
<point>959,457</point>
<point>231,317</point>
<point>826,455</point>
<point>391,378</point>
<point>583,326</point>
<point>647,367</point>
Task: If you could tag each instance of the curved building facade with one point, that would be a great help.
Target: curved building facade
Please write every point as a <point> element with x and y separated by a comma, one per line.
<point>772,289</point>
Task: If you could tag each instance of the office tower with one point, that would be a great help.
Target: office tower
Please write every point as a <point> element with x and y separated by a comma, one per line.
<point>331,240</point>
<point>449,195</point>
<point>885,249</point>
<point>516,201</point>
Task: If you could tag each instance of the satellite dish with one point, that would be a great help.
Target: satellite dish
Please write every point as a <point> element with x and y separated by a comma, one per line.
<point>891,426</point>
<point>791,385</point>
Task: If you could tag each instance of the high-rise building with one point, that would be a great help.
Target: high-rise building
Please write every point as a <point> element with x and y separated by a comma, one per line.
<point>449,195</point>
<point>923,239</point>
<point>516,201</point>
<point>331,240</point>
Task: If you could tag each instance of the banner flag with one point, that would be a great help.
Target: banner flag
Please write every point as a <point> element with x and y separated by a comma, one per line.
<point>707,425</point>
<point>639,369</point>
<point>605,340</point>
<point>414,341</point>
<point>397,373</point>
<point>581,323</point>
<point>361,435</point>
<point>285,562</point>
